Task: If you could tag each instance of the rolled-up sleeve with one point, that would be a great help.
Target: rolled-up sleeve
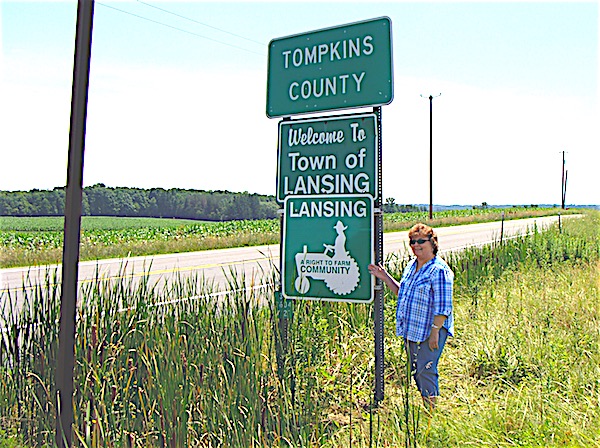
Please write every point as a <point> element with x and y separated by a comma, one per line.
<point>442,284</point>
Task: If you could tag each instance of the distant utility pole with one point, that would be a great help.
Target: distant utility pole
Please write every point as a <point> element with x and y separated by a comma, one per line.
<point>431,97</point>
<point>563,195</point>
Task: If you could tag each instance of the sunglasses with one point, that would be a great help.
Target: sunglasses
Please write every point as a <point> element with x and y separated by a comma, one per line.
<point>419,241</point>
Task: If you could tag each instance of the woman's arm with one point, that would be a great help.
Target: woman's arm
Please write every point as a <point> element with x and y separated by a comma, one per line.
<point>442,283</point>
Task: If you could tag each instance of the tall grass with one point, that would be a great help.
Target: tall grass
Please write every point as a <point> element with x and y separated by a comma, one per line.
<point>185,365</point>
<point>175,366</point>
<point>523,370</point>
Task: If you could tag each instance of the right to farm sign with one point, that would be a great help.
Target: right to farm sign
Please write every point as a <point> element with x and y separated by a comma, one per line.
<point>327,246</point>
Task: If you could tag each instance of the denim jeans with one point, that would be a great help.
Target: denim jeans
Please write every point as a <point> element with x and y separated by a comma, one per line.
<point>424,363</point>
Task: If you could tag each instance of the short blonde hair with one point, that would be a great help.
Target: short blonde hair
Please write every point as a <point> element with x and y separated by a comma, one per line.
<point>423,229</point>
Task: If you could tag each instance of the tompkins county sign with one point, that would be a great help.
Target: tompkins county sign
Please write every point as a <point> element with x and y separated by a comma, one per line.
<point>335,68</point>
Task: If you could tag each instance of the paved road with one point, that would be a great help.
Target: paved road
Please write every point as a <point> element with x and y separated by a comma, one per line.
<point>217,266</point>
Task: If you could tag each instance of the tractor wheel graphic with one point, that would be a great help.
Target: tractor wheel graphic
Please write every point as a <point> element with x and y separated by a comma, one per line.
<point>350,281</point>
<point>302,284</point>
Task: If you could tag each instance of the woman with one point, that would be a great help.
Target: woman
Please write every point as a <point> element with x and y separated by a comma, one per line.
<point>424,311</point>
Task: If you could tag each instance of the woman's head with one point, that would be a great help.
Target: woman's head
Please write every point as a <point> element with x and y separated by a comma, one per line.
<point>423,231</point>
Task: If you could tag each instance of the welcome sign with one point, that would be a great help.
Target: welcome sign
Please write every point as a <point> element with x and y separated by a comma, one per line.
<point>334,155</point>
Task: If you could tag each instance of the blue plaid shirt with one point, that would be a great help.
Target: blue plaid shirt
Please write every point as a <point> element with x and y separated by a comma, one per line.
<point>423,295</point>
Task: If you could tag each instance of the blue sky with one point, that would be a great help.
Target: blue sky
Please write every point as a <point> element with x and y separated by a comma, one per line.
<point>181,104</point>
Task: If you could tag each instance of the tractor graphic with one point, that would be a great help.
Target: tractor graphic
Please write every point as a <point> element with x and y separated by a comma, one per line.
<point>334,266</point>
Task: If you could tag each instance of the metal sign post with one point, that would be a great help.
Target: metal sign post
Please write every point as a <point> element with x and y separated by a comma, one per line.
<point>66,339</point>
<point>378,303</point>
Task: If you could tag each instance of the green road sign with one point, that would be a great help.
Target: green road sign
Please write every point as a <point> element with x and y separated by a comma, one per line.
<point>327,246</point>
<point>343,67</point>
<point>331,155</point>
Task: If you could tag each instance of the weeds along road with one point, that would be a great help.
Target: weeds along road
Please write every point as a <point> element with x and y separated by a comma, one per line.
<point>227,269</point>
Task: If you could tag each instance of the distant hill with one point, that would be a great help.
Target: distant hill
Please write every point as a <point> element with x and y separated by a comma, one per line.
<point>100,200</point>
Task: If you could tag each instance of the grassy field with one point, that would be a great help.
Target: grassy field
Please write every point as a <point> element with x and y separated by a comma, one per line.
<point>38,241</point>
<point>172,367</point>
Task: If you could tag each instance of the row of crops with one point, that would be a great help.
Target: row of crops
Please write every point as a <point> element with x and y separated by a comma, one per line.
<point>36,240</point>
<point>34,236</point>
<point>47,232</point>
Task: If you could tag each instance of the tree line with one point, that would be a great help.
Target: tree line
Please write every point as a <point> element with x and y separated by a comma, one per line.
<point>100,200</point>
<point>390,206</point>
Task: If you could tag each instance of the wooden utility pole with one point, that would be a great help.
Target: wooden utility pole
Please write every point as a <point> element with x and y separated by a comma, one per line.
<point>431,97</point>
<point>563,194</point>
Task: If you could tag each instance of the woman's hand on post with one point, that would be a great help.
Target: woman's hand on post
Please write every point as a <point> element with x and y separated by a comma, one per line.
<point>378,271</point>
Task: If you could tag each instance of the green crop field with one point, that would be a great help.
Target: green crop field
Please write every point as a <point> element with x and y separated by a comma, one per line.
<point>173,367</point>
<point>88,223</point>
<point>37,241</point>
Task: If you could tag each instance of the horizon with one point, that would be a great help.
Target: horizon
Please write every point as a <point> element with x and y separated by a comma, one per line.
<point>426,205</point>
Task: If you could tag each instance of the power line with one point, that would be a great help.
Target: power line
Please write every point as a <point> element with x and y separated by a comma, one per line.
<point>179,29</point>
<point>200,23</point>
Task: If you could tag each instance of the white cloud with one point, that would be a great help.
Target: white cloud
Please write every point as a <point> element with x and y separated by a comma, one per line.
<point>160,127</point>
